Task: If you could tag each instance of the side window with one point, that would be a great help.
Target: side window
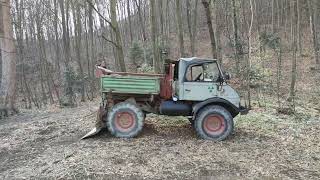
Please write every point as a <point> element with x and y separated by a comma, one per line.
<point>195,73</point>
<point>203,73</point>
<point>211,72</point>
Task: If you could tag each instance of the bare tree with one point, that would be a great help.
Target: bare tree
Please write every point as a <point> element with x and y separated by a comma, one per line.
<point>294,53</point>
<point>130,21</point>
<point>154,37</point>
<point>312,15</point>
<point>77,34</point>
<point>237,43</point>
<point>248,78</point>
<point>114,21</point>
<point>180,28</point>
<point>67,53</point>
<point>192,15</point>
<point>8,57</point>
<point>206,6</point>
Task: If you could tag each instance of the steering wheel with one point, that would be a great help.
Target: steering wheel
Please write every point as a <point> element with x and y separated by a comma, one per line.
<point>198,77</point>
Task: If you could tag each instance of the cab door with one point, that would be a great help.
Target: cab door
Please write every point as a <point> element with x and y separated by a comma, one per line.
<point>199,91</point>
<point>200,82</point>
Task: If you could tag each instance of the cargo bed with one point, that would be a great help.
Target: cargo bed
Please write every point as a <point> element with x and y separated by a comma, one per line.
<point>130,84</point>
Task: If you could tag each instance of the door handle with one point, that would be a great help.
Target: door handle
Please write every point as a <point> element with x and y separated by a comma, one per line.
<point>188,90</point>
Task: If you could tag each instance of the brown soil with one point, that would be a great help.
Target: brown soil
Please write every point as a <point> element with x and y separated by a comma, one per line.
<point>47,145</point>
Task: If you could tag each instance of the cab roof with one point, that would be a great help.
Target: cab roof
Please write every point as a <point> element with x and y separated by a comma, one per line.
<point>196,60</point>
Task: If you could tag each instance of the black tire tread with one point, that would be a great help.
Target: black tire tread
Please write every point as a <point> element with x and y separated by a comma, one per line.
<point>213,109</point>
<point>125,105</point>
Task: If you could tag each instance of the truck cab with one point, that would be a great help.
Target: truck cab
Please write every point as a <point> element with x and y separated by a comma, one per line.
<point>200,91</point>
<point>200,82</point>
<point>202,79</point>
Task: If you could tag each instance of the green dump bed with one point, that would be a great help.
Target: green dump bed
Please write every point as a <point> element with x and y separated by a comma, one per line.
<point>130,84</point>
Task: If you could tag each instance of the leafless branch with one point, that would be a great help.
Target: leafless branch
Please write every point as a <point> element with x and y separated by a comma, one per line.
<point>110,41</point>
<point>100,15</point>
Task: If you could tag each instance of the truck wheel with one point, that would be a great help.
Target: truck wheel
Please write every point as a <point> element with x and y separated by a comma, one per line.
<point>125,120</point>
<point>214,123</point>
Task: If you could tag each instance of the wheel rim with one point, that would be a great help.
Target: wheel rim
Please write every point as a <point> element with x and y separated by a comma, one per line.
<point>214,125</point>
<point>124,121</point>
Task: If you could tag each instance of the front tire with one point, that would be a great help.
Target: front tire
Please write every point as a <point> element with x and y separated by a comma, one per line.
<point>125,120</point>
<point>214,123</point>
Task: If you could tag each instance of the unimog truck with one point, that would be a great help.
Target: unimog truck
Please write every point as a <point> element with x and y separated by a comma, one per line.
<point>192,87</point>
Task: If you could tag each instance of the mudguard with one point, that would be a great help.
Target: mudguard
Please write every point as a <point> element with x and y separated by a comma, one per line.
<point>234,110</point>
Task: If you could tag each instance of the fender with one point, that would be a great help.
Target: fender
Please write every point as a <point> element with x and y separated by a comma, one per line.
<point>234,110</point>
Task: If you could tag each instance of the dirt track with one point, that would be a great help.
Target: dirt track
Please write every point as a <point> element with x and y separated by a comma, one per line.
<point>47,145</point>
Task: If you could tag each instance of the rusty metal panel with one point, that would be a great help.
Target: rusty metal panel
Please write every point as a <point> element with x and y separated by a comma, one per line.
<point>130,84</point>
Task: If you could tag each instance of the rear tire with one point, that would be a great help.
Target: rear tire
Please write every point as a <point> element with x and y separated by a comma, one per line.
<point>214,123</point>
<point>125,120</point>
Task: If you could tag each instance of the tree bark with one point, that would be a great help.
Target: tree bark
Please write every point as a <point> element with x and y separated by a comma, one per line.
<point>249,54</point>
<point>180,28</point>
<point>67,54</point>
<point>194,28</point>
<point>154,37</point>
<point>218,30</point>
<point>191,21</point>
<point>8,57</point>
<point>45,72</point>
<point>142,28</point>
<point>314,31</point>
<point>120,55</point>
<point>237,43</point>
<point>77,33</point>
<point>56,34</point>
<point>206,6</point>
<point>130,21</point>
<point>294,54</point>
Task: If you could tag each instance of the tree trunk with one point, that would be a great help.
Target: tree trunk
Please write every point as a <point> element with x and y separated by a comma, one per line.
<point>189,23</point>
<point>21,54</point>
<point>299,27</point>
<point>273,16</point>
<point>279,73</point>
<point>206,6</point>
<point>180,28</point>
<point>141,22</point>
<point>314,31</point>
<point>154,37</point>
<point>161,22</point>
<point>56,33</point>
<point>130,21</point>
<point>67,55</point>
<point>77,33</point>
<point>249,54</point>
<point>45,73</point>
<point>8,57</point>
<point>194,28</point>
<point>237,43</point>
<point>217,12</point>
<point>294,54</point>
<point>114,22</point>
<point>192,23</point>
<point>91,59</point>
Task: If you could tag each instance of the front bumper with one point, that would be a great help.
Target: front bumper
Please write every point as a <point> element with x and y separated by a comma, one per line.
<point>244,110</point>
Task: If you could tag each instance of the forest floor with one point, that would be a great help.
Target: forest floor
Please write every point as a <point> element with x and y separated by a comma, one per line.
<point>46,144</point>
